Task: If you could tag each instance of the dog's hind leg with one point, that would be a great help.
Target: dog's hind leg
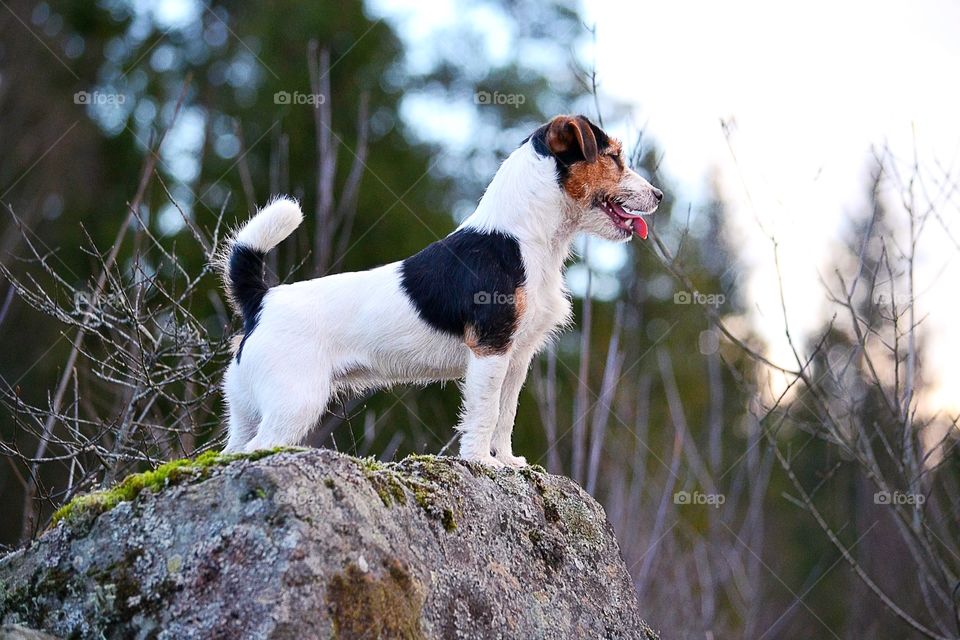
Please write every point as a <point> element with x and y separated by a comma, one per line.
<point>242,426</point>
<point>289,418</point>
<point>242,414</point>
<point>481,406</point>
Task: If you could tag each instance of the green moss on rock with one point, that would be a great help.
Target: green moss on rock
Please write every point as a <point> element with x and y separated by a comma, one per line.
<point>167,474</point>
<point>389,486</point>
<point>371,464</point>
<point>449,522</point>
<point>529,471</point>
<point>435,469</point>
<point>418,475</point>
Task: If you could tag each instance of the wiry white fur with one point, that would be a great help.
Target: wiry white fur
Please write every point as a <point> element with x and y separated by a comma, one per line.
<point>355,331</point>
<point>271,225</point>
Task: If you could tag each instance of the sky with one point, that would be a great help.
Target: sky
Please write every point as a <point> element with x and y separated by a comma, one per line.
<point>808,92</point>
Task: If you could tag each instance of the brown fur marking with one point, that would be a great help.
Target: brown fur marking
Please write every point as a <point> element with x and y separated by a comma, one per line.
<point>586,180</point>
<point>470,334</point>
<point>480,350</point>
<point>567,132</point>
<point>519,304</point>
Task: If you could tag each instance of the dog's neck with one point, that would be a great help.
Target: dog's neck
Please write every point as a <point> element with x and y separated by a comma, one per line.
<point>524,200</point>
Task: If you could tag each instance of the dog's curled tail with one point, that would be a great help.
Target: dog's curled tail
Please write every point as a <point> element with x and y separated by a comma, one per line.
<point>242,262</point>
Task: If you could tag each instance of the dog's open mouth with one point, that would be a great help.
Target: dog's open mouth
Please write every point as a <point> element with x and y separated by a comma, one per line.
<point>625,219</point>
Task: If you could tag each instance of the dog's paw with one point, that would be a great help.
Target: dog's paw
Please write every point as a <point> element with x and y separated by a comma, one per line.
<point>488,460</point>
<point>517,462</point>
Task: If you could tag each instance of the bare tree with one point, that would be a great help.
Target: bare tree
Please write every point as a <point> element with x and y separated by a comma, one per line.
<point>140,383</point>
<point>855,387</point>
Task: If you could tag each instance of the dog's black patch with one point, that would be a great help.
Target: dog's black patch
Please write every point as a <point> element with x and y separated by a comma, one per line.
<point>469,278</point>
<point>539,140</point>
<point>247,287</point>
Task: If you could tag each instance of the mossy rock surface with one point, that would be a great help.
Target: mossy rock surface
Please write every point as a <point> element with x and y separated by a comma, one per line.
<point>90,505</point>
<point>312,543</point>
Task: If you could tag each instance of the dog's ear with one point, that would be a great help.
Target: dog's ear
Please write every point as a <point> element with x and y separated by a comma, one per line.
<point>572,133</point>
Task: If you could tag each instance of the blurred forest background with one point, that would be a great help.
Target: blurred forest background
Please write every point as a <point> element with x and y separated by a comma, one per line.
<point>135,134</point>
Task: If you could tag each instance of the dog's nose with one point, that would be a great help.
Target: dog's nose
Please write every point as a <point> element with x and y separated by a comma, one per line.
<point>657,194</point>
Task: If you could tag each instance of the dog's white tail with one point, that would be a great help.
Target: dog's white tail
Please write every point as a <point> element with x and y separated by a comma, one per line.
<point>242,263</point>
<point>271,225</point>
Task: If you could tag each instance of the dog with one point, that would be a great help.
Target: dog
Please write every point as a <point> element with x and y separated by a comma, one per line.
<point>475,306</point>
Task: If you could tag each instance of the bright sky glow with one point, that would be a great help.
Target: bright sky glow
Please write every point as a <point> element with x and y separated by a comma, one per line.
<point>808,89</point>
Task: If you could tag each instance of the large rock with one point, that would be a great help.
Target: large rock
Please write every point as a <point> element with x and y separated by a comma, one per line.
<point>315,544</point>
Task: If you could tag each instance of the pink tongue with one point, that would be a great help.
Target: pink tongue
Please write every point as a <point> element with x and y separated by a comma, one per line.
<point>640,227</point>
<point>639,224</point>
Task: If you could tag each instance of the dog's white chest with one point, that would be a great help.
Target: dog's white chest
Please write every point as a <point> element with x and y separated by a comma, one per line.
<point>548,307</point>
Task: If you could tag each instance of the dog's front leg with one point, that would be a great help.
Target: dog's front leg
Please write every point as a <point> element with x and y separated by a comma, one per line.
<point>509,397</point>
<point>481,405</point>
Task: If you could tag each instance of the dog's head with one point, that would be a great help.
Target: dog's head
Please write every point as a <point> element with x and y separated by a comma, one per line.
<point>607,198</point>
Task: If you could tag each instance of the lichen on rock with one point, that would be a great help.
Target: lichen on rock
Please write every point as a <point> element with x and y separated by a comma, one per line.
<point>312,543</point>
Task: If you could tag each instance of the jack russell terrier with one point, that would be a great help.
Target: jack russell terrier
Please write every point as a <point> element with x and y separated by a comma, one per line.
<point>475,306</point>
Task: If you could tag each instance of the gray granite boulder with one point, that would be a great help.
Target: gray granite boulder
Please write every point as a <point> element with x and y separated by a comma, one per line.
<point>315,544</point>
